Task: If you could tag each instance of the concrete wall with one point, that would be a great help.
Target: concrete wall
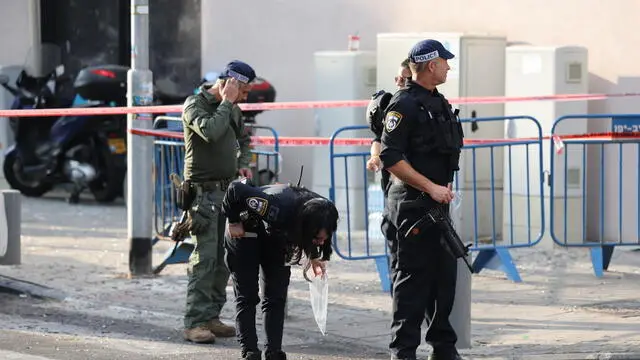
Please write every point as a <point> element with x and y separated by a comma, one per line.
<point>278,37</point>
<point>17,34</point>
<point>174,36</point>
<point>16,42</point>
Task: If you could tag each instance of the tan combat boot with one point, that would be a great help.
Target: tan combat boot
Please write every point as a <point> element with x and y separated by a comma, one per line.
<point>199,335</point>
<point>220,329</point>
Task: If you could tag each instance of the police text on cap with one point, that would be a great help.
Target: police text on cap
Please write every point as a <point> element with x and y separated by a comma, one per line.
<point>426,57</point>
<point>238,76</point>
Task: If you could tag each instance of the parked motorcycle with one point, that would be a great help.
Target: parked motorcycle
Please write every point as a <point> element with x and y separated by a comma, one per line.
<point>86,151</point>
<point>261,91</point>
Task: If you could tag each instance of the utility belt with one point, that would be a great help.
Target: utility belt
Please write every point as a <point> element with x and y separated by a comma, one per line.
<point>187,191</point>
<point>210,186</point>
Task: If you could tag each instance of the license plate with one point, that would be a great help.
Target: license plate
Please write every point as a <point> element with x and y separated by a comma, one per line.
<point>117,146</point>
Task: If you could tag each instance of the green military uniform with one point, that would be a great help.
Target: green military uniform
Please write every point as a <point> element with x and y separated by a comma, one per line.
<point>213,134</point>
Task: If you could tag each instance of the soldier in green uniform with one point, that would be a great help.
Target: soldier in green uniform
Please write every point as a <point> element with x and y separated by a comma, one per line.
<point>214,133</point>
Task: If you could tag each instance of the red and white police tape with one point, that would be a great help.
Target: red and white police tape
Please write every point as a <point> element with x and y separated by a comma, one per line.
<point>295,105</point>
<point>289,141</point>
<point>316,141</point>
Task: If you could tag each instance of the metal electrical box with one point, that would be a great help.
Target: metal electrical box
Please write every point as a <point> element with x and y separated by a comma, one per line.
<point>544,70</point>
<point>343,75</point>
<point>476,70</point>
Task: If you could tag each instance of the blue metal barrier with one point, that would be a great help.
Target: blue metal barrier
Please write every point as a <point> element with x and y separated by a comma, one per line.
<point>522,197</point>
<point>367,241</point>
<point>268,174</point>
<point>480,185</point>
<point>168,159</point>
<point>592,200</point>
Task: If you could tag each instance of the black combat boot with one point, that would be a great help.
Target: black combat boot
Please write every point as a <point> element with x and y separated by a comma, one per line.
<point>275,355</point>
<point>252,355</point>
<point>445,355</point>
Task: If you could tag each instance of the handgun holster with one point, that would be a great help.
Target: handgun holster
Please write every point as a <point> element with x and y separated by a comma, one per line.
<point>184,195</point>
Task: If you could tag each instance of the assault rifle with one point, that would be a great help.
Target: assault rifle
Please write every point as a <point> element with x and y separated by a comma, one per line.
<point>438,216</point>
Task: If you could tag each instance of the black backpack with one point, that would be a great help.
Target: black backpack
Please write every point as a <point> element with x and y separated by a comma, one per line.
<point>375,111</point>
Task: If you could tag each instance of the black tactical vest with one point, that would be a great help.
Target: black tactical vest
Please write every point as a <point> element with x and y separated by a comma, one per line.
<point>376,110</point>
<point>436,143</point>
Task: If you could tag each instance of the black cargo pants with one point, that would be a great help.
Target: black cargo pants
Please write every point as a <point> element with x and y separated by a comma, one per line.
<point>424,287</point>
<point>246,258</point>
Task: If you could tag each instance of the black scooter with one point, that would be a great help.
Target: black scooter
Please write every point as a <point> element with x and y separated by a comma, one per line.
<point>81,151</point>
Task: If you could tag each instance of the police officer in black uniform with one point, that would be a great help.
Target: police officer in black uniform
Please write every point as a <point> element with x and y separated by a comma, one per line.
<point>270,228</point>
<point>421,146</point>
<point>375,116</point>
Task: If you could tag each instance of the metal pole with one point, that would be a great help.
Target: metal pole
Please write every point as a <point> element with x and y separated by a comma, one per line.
<point>461,314</point>
<point>36,46</point>
<point>10,249</point>
<point>139,154</point>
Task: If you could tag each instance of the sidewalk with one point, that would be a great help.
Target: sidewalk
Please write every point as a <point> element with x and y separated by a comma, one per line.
<point>560,311</point>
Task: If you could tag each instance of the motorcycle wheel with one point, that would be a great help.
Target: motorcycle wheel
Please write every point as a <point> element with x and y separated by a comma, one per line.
<point>108,185</point>
<point>12,169</point>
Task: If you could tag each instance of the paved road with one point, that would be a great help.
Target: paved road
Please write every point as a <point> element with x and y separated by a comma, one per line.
<point>560,311</point>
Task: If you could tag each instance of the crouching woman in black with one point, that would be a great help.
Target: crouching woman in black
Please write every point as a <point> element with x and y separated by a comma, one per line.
<point>271,228</point>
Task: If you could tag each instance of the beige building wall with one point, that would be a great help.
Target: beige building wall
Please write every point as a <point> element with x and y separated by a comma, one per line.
<point>279,37</point>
